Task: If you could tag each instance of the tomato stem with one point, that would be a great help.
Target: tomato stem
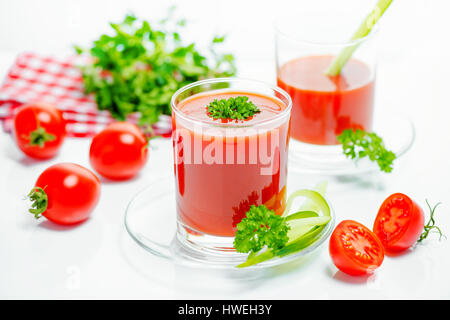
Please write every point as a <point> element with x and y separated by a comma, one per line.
<point>39,137</point>
<point>39,200</point>
<point>430,224</point>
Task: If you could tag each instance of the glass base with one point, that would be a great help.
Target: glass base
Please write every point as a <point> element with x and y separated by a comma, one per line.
<point>398,134</point>
<point>150,220</point>
<point>190,248</point>
<point>205,242</point>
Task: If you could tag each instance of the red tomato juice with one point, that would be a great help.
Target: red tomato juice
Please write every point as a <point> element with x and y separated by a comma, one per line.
<point>323,106</point>
<point>212,198</point>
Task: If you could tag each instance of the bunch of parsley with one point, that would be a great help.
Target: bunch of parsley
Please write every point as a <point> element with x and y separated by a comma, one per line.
<point>139,67</point>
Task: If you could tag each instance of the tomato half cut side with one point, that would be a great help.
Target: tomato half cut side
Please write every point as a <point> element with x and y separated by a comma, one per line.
<point>355,249</point>
<point>399,223</point>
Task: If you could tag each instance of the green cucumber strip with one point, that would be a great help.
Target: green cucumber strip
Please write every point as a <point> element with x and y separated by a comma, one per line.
<point>301,243</point>
<point>310,205</point>
<point>302,226</point>
<point>364,29</point>
<point>311,195</point>
<point>321,188</point>
<point>302,215</point>
<point>293,247</point>
<point>264,256</point>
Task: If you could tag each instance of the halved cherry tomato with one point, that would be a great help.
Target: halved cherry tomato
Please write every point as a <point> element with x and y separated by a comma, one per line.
<point>65,193</point>
<point>39,130</point>
<point>119,151</point>
<point>355,249</point>
<point>399,222</point>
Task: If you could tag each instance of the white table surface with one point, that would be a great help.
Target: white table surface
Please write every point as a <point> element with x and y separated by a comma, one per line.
<point>99,260</point>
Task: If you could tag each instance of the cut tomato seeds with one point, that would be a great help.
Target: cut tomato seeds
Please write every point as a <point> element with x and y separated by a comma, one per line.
<point>399,222</point>
<point>355,249</point>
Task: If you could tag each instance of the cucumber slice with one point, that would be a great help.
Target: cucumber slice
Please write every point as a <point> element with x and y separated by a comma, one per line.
<point>261,257</point>
<point>311,205</point>
<point>300,227</point>
<point>299,244</point>
<point>302,242</point>
<point>305,224</point>
<point>311,195</point>
<point>302,215</point>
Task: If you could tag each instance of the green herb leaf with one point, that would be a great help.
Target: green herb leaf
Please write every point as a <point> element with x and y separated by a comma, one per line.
<point>138,67</point>
<point>218,39</point>
<point>240,108</point>
<point>431,224</point>
<point>358,144</point>
<point>261,227</point>
<point>39,200</point>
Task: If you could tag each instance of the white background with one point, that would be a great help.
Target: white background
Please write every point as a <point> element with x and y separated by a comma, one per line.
<point>98,259</point>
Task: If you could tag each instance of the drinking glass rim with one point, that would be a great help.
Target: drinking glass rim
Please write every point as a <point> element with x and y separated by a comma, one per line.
<point>346,43</point>
<point>211,122</point>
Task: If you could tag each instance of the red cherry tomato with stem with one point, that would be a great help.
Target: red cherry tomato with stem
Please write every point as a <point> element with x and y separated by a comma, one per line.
<point>400,223</point>
<point>65,193</point>
<point>39,130</point>
<point>355,249</point>
<point>119,151</point>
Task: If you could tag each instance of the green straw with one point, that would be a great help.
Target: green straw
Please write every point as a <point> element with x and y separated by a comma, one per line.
<point>364,29</point>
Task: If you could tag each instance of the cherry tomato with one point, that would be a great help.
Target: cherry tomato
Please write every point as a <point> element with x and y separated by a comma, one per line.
<point>355,249</point>
<point>119,151</point>
<point>65,193</point>
<point>39,130</point>
<point>399,222</point>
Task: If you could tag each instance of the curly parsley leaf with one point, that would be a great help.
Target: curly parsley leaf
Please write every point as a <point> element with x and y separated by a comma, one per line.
<point>239,108</point>
<point>138,67</point>
<point>358,144</point>
<point>261,227</point>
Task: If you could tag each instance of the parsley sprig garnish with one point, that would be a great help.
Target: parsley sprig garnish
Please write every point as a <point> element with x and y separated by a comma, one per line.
<point>261,227</point>
<point>358,144</point>
<point>137,67</point>
<point>238,108</point>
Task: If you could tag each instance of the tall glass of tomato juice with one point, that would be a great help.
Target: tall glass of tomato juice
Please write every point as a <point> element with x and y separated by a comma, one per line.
<point>323,105</point>
<point>222,167</point>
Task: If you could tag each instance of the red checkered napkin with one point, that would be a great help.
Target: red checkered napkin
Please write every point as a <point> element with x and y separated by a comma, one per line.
<point>35,78</point>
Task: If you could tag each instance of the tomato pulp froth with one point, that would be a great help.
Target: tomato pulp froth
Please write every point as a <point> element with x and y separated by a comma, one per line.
<point>324,106</point>
<point>222,167</point>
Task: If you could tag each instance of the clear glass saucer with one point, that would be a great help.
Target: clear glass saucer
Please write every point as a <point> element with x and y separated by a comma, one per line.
<point>398,134</point>
<point>150,220</point>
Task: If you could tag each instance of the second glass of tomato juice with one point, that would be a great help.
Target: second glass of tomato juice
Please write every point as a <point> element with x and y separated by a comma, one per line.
<point>225,163</point>
<point>324,104</point>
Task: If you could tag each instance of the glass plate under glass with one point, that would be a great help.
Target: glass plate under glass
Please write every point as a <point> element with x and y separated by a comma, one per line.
<point>398,134</point>
<point>150,220</point>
